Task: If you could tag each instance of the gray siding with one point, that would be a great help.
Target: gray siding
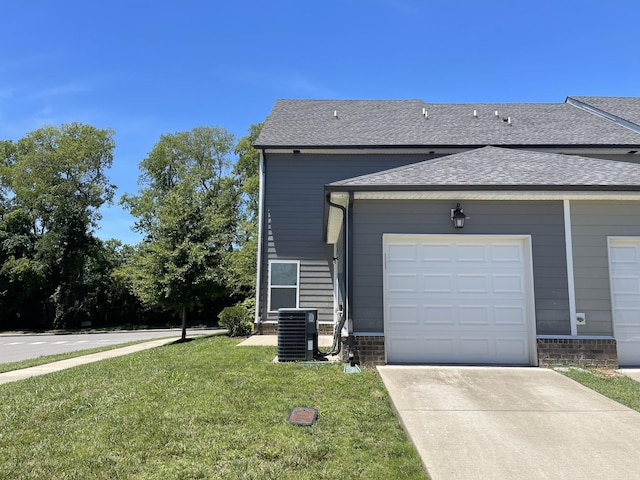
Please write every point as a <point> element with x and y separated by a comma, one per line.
<point>294,207</point>
<point>542,220</point>
<point>592,222</point>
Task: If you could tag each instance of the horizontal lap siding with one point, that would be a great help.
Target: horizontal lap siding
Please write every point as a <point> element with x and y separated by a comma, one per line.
<point>542,220</point>
<point>591,224</point>
<point>294,209</point>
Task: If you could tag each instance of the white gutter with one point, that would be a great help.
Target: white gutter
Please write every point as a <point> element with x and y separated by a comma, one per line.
<point>260,221</point>
<point>496,195</point>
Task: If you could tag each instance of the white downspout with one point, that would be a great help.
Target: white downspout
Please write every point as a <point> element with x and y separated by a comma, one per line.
<point>260,243</point>
<point>570,275</point>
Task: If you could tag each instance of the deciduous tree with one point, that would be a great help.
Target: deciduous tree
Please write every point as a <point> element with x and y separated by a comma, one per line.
<point>186,208</point>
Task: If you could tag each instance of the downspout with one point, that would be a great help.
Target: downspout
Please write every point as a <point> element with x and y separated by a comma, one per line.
<point>348,280</point>
<point>571,285</point>
<point>335,348</point>
<point>258,316</point>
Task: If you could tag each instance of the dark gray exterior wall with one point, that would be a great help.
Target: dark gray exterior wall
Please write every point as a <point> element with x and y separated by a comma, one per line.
<point>591,224</point>
<point>293,215</point>
<point>543,220</point>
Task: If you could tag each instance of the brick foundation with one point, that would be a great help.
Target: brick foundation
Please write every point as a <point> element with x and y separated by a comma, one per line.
<point>577,351</point>
<point>586,352</point>
<point>368,350</point>
<point>271,328</point>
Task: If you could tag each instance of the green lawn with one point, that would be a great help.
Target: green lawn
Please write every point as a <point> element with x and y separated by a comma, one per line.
<point>609,383</point>
<point>202,409</point>
<point>34,362</point>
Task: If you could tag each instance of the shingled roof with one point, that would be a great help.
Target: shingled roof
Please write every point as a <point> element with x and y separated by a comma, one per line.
<point>397,123</point>
<point>625,108</point>
<point>501,168</point>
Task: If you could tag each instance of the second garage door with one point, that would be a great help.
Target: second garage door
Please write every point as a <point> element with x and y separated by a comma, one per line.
<point>458,300</point>
<point>624,268</point>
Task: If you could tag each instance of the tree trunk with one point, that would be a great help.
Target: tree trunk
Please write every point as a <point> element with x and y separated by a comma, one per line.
<point>184,324</point>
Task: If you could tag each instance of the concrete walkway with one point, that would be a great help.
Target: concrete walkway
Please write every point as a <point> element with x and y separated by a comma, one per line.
<point>633,373</point>
<point>512,423</point>
<point>82,360</point>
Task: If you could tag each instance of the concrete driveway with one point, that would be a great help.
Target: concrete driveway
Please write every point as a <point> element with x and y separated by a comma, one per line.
<point>512,423</point>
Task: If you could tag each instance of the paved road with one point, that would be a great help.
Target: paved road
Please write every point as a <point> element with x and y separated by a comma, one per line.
<point>14,348</point>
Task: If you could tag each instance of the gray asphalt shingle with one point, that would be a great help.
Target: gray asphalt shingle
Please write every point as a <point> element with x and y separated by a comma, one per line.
<point>503,167</point>
<point>626,108</point>
<point>388,123</point>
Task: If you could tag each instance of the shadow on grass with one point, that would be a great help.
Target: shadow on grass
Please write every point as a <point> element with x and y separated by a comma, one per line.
<point>198,338</point>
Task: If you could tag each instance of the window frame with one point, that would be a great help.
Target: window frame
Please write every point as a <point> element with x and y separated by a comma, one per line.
<point>270,286</point>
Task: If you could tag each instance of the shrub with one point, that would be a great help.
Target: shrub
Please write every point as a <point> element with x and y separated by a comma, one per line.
<point>237,320</point>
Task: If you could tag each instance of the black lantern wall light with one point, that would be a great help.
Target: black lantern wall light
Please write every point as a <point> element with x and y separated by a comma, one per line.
<point>458,217</point>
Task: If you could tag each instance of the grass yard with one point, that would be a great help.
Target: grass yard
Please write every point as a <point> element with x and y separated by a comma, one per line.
<point>609,383</point>
<point>202,409</point>
<point>34,362</point>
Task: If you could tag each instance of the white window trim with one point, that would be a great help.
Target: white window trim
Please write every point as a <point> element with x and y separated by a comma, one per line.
<point>296,286</point>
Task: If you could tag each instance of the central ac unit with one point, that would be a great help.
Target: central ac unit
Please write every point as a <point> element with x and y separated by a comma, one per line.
<point>297,334</point>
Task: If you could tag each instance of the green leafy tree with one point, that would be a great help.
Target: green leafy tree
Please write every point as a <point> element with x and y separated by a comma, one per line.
<point>57,181</point>
<point>241,262</point>
<point>186,208</point>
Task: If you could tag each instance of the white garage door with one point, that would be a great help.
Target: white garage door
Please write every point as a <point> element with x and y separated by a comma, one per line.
<point>624,267</point>
<point>458,300</point>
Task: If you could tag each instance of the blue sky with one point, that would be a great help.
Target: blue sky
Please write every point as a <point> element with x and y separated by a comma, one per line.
<point>145,68</point>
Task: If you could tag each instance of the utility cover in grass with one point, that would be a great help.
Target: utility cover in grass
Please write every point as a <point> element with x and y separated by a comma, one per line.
<point>303,416</point>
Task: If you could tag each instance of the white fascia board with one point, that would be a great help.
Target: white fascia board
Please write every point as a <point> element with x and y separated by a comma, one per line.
<point>497,195</point>
<point>334,218</point>
<point>448,150</point>
<point>371,150</point>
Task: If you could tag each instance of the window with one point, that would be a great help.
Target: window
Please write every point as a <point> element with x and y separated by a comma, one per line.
<point>283,284</point>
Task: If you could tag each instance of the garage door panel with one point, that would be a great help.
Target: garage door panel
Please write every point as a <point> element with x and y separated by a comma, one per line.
<point>403,252</point>
<point>471,304</point>
<point>397,346</point>
<point>471,253</point>
<point>436,347</point>
<point>624,268</point>
<point>437,252</point>
<point>473,315</point>
<point>508,283</point>
<point>626,285</point>
<point>404,314</point>
<point>510,315</point>
<point>474,349</point>
<point>506,253</point>
<point>439,315</point>
<point>403,282</point>
<point>625,254</point>
<point>472,283</point>
<point>437,283</point>
<point>511,348</point>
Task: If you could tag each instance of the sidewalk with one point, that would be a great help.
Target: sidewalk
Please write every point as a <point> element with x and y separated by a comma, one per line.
<point>82,360</point>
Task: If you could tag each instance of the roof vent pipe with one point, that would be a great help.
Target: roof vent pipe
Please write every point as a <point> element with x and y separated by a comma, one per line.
<point>497,114</point>
<point>509,120</point>
<point>335,113</point>
<point>475,113</point>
